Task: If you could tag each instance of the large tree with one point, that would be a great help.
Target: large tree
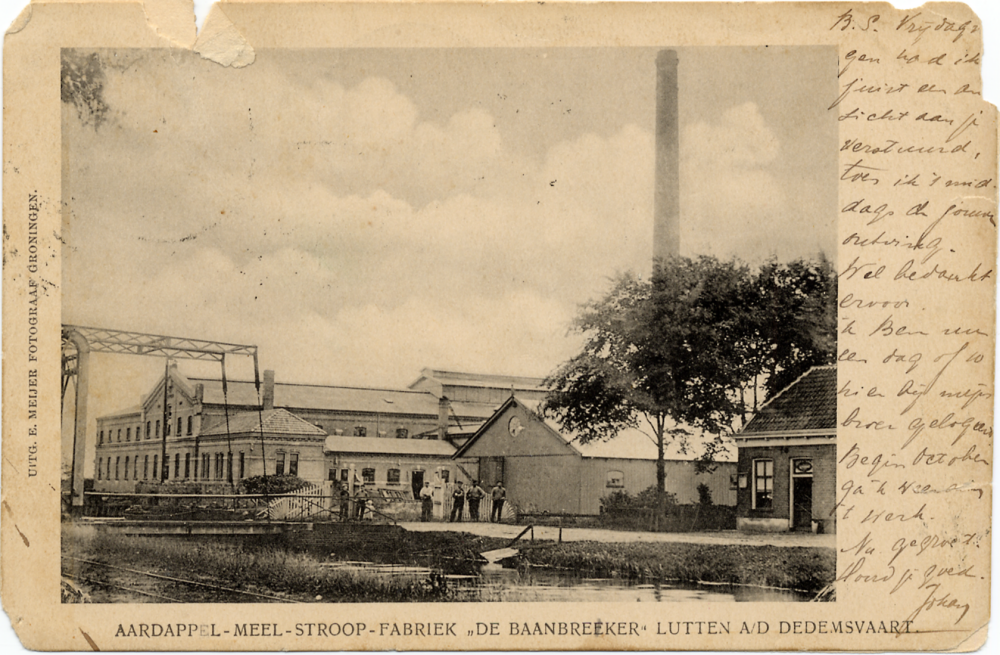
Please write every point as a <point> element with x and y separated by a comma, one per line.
<point>693,349</point>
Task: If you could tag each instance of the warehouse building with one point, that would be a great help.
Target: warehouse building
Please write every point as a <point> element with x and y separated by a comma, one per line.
<point>547,470</point>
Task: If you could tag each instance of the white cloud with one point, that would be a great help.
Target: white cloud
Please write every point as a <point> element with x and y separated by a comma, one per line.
<point>728,185</point>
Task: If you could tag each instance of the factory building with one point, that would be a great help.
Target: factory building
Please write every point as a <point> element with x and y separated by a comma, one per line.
<point>318,432</point>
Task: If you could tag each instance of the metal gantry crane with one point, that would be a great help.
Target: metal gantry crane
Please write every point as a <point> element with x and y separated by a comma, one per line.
<point>79,342</point>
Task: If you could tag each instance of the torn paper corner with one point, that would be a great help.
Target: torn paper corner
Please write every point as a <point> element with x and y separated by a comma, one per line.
<point>221,42</point>
<point>21,21</point>
<point>173,20</point>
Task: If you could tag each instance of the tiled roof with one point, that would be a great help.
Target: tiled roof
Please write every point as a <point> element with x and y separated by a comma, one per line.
<point>274,422</point>
<point>373,446</point>
<point>809,403</point>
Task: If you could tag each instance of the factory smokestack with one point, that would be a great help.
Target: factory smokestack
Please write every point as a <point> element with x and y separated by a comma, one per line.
<point>666,202</point>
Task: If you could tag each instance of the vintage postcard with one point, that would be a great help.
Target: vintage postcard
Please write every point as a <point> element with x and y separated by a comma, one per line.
<point>417,326</point>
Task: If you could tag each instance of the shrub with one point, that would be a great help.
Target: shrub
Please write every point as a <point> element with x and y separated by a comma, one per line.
<point>618,501</point>
<point>275,484</point>
<point>704,495</point>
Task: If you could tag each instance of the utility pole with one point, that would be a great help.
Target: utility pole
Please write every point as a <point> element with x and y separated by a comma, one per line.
<point>163,448</point>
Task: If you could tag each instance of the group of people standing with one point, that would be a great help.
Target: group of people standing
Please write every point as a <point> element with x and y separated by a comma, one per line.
<point>474,496</point>
<point>459,497</point>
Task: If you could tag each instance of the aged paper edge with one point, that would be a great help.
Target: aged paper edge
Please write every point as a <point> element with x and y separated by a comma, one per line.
<point>18,20</point>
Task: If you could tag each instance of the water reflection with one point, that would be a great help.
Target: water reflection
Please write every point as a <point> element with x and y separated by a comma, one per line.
<point>495,583</point>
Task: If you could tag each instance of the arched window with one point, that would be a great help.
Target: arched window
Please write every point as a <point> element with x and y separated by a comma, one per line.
<point>180,426</point>
<point>119,434</point>
<point>190,423</point>
<point>117,460</point>
<point>126,467</point>
<point>100,466</point>
<point>187,465</point>
<point>156,471</point>
<point>148,427</point>
<point>157,428</point>
<point>177,465</point>
<point>101,440</point>
<point>128,434</point>
<point>145,467</point>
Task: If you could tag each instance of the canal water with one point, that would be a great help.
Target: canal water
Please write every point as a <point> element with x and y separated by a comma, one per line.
<point>495,583</point>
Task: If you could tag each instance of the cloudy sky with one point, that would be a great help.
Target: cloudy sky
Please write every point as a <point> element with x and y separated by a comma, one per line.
<point>361,214</point>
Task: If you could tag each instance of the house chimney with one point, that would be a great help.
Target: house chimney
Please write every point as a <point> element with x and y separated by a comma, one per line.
<point>666,202</point>
<point>444,407</point>
<point>268,390</point>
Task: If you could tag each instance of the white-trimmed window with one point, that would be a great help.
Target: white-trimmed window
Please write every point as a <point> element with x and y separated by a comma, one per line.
<point>615,480</point>
<point>763,483</point>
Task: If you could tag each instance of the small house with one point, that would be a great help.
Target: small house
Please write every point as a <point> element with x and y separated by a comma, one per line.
<point>787,470</point>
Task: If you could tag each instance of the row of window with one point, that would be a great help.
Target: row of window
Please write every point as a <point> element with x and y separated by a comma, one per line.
<point>149,430</point>
<point>222,469</point>
<point>392,476</point>
<point>362,431</point>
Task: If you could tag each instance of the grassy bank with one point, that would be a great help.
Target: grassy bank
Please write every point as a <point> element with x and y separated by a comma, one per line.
<point>268,570</point>
<point>804,569</point>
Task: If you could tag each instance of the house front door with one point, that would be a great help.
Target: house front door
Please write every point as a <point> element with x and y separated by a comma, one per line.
<point>802,497</point>
<point>417,483</point>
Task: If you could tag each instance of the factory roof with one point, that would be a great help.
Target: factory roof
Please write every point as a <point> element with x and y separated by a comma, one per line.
<point>373,446</point>
<point>271,422</point>
<point>363,400</point>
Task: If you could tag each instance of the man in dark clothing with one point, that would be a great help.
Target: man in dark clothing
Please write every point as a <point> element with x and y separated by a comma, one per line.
<point>474,495</point>
<point>499,495</point>
<point>360,502</point>
<point>345,501</point>
<point>457,502</point>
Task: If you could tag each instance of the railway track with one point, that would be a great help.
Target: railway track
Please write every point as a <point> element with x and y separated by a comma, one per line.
<point>109,583</point>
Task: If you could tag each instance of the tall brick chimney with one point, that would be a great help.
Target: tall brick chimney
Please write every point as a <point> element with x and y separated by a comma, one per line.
<point>666,201</point>
<point>268,396</point>
<point>444,408</point>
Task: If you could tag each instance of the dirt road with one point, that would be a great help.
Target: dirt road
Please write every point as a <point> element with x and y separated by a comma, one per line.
<point>504,530</point>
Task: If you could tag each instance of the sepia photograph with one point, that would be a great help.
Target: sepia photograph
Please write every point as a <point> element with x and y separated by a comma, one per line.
<point>406,326</point>
<point>439,324</point>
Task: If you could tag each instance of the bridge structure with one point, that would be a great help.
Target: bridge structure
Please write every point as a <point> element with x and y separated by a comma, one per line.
<point>78,342</point>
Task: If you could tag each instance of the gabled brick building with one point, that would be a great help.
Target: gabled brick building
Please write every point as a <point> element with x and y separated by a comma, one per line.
<point>787,469</point>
